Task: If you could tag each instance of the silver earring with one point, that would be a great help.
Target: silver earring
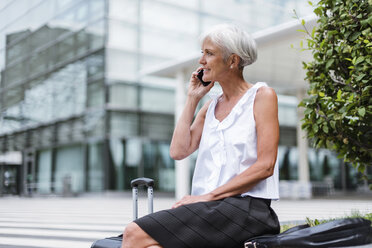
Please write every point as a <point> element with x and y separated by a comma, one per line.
<point>231,66</point>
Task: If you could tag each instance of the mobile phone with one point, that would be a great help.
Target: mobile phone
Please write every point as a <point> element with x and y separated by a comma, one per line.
<point>200,76</point>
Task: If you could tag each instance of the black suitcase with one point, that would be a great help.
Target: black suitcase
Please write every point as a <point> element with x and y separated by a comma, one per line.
<point>338,233</point>
<point>115,242</point>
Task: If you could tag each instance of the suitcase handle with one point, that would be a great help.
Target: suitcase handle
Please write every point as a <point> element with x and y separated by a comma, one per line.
<point>142,181</point>
<point>149,183</point>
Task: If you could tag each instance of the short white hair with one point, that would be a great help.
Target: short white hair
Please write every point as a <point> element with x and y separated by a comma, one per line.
<point>232,39</point>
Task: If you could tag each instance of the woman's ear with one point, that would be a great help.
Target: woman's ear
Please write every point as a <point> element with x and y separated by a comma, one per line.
<point>234,61</point>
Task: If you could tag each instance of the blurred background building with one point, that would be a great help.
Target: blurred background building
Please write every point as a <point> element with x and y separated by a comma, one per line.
<point>89,91</point>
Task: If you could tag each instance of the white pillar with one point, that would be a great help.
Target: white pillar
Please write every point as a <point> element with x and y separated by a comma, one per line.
<point>302,144</point>
<point>304,190</point>
<point>182,166</point>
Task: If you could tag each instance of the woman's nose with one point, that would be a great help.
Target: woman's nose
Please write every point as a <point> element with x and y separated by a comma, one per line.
<point>202,60</point>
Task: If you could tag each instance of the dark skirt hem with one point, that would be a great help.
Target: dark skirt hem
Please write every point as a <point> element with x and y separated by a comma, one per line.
<point>226,223</point>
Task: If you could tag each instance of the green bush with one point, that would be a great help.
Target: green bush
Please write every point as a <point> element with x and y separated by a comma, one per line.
<point>338,108</point>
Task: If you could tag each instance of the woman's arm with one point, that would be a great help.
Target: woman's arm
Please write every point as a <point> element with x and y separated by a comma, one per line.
<point>267,128</point>
<point>187,134</point>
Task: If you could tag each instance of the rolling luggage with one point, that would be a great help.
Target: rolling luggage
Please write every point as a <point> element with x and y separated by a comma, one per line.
<point>115,242</point>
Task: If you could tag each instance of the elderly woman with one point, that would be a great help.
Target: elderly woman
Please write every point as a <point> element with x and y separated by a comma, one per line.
<point>236,172</point>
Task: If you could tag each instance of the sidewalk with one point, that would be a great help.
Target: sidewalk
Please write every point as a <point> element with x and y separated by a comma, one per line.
<point>76,222</point>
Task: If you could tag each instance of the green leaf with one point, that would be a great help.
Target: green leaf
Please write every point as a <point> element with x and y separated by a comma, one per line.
<point>325,128</point>
<point>310,3</point>
<point>360,77</point>
<point>308,111</point>
<point>359,60</point>
<point>354,36</point>
<point>313,32</point>
<point>302,22</point>
<point>333,124</point>
<point>329,63</point>
<point>362,111</point>
<point>321,94</point>
<point>315,128</point>
<point>361,168</point>
<point>351,97</point>
<point>339,93</point>
<point>318,11</point>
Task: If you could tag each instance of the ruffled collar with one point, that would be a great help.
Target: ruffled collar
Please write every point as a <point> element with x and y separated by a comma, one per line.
<point>236,110</point>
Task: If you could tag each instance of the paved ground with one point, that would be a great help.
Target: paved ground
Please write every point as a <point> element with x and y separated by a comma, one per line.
<point>76,222</point>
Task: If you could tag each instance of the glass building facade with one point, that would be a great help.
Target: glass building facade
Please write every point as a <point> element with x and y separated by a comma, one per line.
<point>73,100</point>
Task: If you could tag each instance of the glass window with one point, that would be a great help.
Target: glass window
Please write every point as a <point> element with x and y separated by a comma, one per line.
<point>94,65</point>
<point>188,4</point>
<point>183,20</point>
<point>94,123</point>
<point>77,130</point>
<point>126,10</point>
<point>96,96</point>
<point>62,4</point>
<point>46,136</point>
<point>26,15</point>
<point>124,96</point>
<point>44,172</point>
<point>117,153</point>
<point>2,63</point>
<point>15,74</point>
<point>38,63</point>
<point>157,99</point>
<point>17,51</point>
<point>12,96</point>
<point>4,4</point>
<point>157,126</point>
<point>132,161</point>
<point>96,33</point>
<point>65,49</point>
<point>124,124</point>
<point>166,171</point>
<point>11,119</point>
<point>287,111</point>
<point>39,38</point>
<point>81,14</point>
<point>69,90</point>
<point>168,44</point>
<point>134,148</point>
<point>38,103</point>
<point>121,65</point>
<point>123,36</point>
<point>95,167</point>
<point>19,141</point>
<point>158,164</point>
<point>64,132</point>
<point>81,43</point>
<point>70,166</point>
<point>96,9</point>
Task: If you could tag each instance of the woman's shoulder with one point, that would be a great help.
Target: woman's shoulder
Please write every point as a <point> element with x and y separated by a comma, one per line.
<point>203,110</point>
<point>266,92</point>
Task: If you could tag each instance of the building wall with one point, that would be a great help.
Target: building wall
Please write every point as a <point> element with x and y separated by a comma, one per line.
<point>52,70</point>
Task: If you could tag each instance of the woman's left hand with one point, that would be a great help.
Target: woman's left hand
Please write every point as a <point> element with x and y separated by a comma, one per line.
<point>188,199</point>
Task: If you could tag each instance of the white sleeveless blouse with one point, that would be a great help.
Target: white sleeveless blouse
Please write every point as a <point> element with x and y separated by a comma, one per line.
<point>229,147</point>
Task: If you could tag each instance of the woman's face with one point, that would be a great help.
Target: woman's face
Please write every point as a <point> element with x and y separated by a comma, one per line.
<point>212,61</point>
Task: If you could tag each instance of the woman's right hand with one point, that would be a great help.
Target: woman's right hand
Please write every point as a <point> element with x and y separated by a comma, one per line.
<point>196,88</point>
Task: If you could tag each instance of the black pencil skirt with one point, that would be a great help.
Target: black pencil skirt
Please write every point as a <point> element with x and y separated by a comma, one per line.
<point>226,223</point>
